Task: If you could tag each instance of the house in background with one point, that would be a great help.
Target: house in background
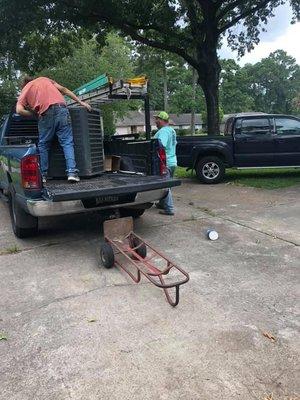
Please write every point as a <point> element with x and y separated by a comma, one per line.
<point>134,122</point>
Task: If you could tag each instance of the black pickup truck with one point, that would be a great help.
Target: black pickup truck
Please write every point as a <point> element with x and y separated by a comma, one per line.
<point>130,191</point>
<point>249,141</point>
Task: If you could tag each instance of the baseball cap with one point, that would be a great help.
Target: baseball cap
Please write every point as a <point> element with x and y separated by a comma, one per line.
<point>162,115</point>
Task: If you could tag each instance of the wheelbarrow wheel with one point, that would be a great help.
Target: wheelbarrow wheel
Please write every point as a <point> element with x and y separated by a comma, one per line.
<point>141,248</point>
<point>107,255</point>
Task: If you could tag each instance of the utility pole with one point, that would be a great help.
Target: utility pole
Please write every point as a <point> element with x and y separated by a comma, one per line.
<point>165,79</point>
<point>193,108</point>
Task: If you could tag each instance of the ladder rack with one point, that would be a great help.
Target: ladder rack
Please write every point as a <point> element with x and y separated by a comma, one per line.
<point>103,90</point>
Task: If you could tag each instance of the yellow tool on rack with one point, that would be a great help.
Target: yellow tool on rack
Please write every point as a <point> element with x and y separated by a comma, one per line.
<point>137,81</point>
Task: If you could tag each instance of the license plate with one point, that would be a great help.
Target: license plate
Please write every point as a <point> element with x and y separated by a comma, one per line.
<point>106,199</point>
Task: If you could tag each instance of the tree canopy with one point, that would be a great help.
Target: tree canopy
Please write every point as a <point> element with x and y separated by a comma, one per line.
<point>235,95</point>
<point>171,40</point>
<point>275,83</point>
<point>88,60</point>
<point>191,29</point>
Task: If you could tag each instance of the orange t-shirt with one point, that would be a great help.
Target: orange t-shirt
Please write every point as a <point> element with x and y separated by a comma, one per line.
<point>40,94</point>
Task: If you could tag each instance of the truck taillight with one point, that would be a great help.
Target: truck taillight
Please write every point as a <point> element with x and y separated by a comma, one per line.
<point>30,173</point>
<point>162,161</point>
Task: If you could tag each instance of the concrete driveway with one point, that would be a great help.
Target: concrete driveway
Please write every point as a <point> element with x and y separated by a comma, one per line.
<point>77,331</point>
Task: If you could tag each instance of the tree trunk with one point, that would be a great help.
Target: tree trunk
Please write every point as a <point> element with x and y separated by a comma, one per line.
<point>165,81</point>
<point>210,88</point>
<point>193,108</point>
<point>209,76</point>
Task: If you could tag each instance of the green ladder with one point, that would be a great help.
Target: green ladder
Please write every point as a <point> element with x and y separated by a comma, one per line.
<point>100,82</point>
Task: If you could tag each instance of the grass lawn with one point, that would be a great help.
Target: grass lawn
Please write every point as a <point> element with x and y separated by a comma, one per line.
<point>259,178</point>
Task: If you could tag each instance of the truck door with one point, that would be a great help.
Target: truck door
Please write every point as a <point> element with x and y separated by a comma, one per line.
<point>287,141</point>
<point>254,142</point>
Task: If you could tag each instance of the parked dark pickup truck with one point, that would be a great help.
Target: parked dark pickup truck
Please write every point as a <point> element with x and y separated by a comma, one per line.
<point>20,182</point>
<point>250,141</point>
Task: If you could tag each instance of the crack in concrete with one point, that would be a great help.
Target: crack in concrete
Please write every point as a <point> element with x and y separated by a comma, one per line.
<point>59,299</point>
<point>274,236</point>
<point>49,244</point>
<point>76,295</point>
<point>211,214</point>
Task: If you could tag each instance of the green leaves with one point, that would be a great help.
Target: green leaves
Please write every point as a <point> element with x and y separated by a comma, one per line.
<point>88,60</point>
<point>244,20</point>
<point>270,85</point>
<point>40,35</point>
<point>234,88</point>
<point>8,93</point>
<point>169,76</point>
<point>276,82</point>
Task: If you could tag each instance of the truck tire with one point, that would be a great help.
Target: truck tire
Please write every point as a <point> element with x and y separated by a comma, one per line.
<point>132,212</point>
<point>210,169</point>
<point>24,225</point>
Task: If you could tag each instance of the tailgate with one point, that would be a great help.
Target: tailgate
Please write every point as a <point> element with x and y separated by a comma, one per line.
<point>111,184</point>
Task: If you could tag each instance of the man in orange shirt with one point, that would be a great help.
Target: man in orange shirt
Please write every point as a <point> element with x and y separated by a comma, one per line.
<point>45,97</point>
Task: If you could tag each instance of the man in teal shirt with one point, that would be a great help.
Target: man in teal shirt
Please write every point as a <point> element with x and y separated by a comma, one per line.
<point>167,137</point>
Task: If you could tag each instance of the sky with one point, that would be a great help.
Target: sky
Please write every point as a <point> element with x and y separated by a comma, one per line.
<point>280,35</point>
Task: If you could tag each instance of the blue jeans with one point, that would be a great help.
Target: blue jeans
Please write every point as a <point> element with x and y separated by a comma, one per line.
<point>167,202</point>
<point>56,121</point>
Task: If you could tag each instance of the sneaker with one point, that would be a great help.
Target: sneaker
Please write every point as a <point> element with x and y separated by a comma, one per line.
<point>164,212</point>
<point>73,178</point>
<point>44,179</point>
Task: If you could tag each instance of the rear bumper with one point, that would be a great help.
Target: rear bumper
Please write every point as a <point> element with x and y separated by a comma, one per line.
<point>45,208</point>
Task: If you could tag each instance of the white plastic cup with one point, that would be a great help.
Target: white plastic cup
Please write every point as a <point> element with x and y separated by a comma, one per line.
<point>212,234</point>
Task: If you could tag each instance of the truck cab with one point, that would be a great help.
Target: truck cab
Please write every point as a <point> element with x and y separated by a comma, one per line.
<point>265,140</point>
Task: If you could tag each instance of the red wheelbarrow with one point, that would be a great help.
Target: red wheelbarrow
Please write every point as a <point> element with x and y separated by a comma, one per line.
<point>122,247</point>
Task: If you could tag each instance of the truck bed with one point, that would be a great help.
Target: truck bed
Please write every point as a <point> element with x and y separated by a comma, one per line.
<point>108,184</point>
<point>190,147</point>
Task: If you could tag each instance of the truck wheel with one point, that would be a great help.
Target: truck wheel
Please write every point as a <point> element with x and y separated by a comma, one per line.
<point>107,255</point>
<point>24,225</point>
<point>210,170</point>
<point>132,212</point>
